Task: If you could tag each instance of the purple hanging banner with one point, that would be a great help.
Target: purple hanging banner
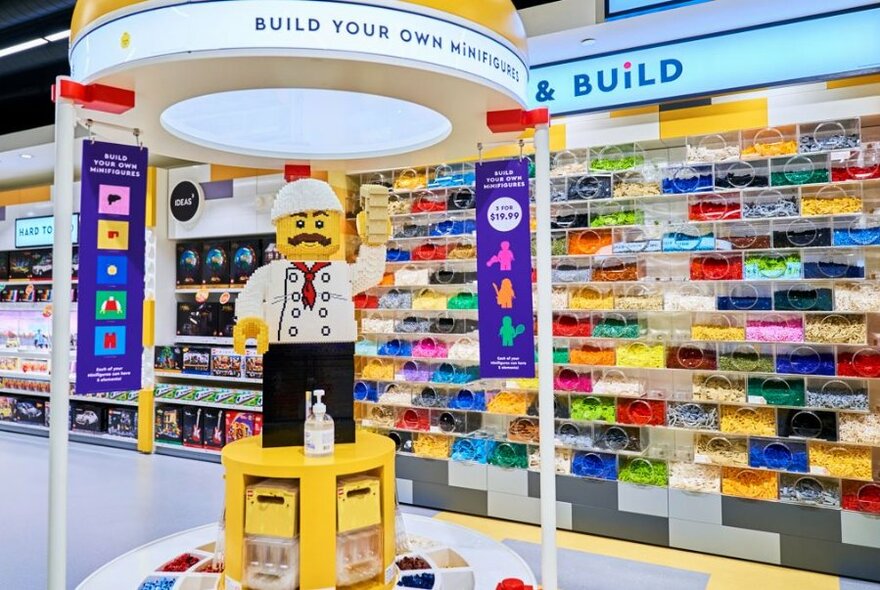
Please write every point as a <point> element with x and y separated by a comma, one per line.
<point>504,270</point>
<point>111,273</point>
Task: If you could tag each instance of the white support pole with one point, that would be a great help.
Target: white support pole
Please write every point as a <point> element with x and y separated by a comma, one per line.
<point>62,253</point>
<point>545,359</point>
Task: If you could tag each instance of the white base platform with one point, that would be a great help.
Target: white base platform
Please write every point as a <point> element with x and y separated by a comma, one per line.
<point>461,559</point>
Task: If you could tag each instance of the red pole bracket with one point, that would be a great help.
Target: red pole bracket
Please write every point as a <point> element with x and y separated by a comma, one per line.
<point>516,120</point>
<point>95,97</point>
<point>297,172</point>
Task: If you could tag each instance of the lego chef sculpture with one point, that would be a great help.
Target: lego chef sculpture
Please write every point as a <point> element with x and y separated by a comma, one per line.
<point>300,308</point>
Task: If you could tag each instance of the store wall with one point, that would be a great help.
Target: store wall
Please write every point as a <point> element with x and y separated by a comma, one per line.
<point>34,209</point>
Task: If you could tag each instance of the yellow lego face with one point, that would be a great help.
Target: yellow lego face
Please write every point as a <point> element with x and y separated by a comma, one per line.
<point>312,235</point>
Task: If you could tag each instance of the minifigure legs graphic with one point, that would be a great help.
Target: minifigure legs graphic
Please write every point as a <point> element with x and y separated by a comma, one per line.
<point>289,371</point>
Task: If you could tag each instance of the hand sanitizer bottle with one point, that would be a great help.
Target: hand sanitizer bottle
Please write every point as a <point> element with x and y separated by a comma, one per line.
<point>320,432</point>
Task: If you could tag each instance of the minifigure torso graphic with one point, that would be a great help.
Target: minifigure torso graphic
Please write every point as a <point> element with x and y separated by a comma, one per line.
<point>300,308</point>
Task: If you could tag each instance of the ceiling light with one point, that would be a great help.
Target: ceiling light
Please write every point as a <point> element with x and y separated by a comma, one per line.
<point>27,156</point>
<point>59,36</point>
<point>19,47</point>
<point>22,46</point>
<point>588,41</point>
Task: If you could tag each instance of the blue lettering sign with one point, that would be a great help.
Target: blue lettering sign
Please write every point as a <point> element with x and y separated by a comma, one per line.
<point>34,232</point>
<point>778,53</point>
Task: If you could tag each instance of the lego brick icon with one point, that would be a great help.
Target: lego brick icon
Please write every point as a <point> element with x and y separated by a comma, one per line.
<point>111,305</point>
<point>112,270</point>
<point>110,341</point>
<point>114,200</point>
<point>112,235</point>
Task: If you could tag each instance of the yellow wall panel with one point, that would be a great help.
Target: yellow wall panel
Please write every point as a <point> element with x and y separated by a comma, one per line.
<point>20,196</point>
<point>219,173</point>
<point>716,118</point>
<point>151,197</point>
<point>857,81</point>
<point>648,110</point>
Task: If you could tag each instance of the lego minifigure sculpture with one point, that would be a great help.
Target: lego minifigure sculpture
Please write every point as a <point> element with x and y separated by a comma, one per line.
<point>300,308</point>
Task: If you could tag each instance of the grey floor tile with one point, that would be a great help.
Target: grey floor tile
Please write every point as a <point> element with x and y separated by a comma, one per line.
<point>723,540</point>
<point>418,469</point>
<point>860,529</point>
<point>829,557</point>
<point>786,519</point>
<point>468,475</point>
<point>442,497</point>
<point>695,506</point>
<point>586,492</point>
<point>849,584</point>
<point>404,491</point>
<point>620,525</point>
<point>118,500</point>
<point>651,500</point>
<point>579,570</point>
<point>418,510</point>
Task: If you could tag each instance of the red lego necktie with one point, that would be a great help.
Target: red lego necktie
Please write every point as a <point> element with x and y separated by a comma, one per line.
<point>308,293</point>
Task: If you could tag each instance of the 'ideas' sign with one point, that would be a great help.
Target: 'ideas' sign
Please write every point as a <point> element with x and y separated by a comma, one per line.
<point>773,54</point>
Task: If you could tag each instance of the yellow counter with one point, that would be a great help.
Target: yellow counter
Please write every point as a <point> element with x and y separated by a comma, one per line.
<point>247,462</point>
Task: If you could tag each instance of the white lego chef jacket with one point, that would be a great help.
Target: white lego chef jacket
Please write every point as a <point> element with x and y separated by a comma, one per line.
<point>306,302</point>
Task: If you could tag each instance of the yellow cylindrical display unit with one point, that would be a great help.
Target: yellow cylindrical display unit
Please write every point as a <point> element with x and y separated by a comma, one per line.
<point>344,481</point>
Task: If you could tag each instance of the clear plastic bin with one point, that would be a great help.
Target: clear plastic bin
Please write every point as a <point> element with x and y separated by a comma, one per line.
<point>359,556</point>
<point>271,563</point>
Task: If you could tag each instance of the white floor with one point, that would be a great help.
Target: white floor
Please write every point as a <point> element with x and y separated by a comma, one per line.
<point>485,562</point>
<point>118,501</point>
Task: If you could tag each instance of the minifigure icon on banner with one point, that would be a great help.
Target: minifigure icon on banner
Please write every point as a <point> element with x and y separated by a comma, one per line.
<point>300,309</point>
<point>504,259</point>
<point>504,294</point>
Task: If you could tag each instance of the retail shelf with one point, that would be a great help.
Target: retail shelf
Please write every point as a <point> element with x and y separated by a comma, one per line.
<point>34,353</point>
<point>187,452</point>
<point>104,440</point>
<point>207,378</point>
<point>29,306</point>
<point>205,404</point>
<point>19,428</point>
<point>25,393</point>
<point>32,376</point>
<point>209,290</point>
<point>205,340</point>
<point>103,400</point>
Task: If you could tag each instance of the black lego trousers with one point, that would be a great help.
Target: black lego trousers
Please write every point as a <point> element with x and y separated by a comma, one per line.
<point>289,371</point>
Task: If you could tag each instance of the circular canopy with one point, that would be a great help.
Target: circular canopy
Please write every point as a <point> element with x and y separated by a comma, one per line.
<point>261,82</point>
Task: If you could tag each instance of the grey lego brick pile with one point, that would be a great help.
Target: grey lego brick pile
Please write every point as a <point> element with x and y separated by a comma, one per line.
<point>817,539</point>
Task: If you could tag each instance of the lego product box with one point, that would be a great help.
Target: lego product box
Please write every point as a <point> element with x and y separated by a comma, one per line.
<point>4,266</point>
<point>75,264</point>
<point>189,264</point>
<point>30,411</point>
<point>246,258</point>
<point>215,264</point>
<point>10,294</point>
<point>241,425</point>
<point>87,417</point>
<point>122,422</point>
<point>214,428</point>
<point>192,427</point>
<point>7,408</point>
<point>168,358</point>
<point>169,424</point>
<point>197,361</point>
<point>225,363</point>
<point>253,365</point>
<point>270,251</point>
<point>43,294</point>
<point>198,319</point>
<point>20,263</point>
<point>41,265</point>
<point>227,320</point>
